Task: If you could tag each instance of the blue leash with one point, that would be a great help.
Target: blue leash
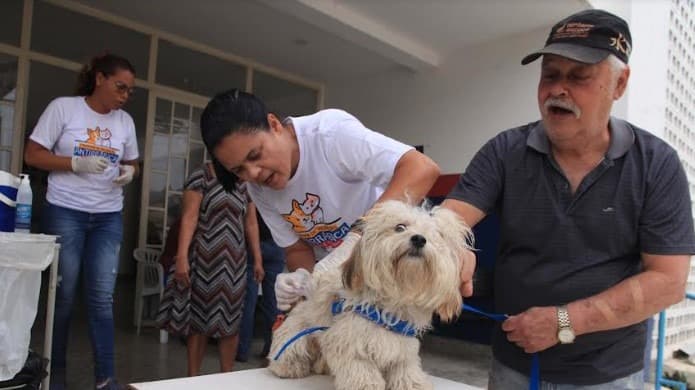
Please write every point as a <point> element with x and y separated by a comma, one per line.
<point>535,377</point>
<point>492,316</point>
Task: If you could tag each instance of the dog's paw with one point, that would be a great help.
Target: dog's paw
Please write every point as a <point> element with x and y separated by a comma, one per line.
<point>321,367</point>
<point>284,370</point>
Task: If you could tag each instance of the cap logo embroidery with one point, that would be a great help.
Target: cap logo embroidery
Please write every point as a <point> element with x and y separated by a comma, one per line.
<point>588,37</point>
<point>621,44</point>
<point>573,30</point>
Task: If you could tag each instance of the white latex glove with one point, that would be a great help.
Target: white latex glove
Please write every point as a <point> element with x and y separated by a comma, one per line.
<point>126,174</point>
<point>89,164</point>
<point>291,286</point>
<point>339,254</point>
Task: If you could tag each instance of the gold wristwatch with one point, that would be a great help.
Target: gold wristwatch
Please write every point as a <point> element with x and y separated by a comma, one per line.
<point>565,333</point>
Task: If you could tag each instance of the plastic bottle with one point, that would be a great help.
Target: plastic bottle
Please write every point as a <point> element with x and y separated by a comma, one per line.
<point>22,223</point>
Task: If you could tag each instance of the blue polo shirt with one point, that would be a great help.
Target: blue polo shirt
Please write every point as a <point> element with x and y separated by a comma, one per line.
<point>557,246</point>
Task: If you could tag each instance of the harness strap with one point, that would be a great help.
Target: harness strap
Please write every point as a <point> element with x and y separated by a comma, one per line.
<point>297,337</point>
<point>377,316</point>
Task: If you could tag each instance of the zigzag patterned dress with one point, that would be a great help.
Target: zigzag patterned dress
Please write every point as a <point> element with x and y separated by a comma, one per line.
<point>217,255</point>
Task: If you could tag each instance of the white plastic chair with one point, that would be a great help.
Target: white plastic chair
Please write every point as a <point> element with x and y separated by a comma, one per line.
<point>148,280</point>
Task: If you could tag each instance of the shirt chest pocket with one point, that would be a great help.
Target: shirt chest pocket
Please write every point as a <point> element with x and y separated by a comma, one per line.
<point>610,229</point>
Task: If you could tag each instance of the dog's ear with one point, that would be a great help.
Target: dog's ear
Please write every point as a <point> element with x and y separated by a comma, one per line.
<point>455,230</point>
<point>353,278</point>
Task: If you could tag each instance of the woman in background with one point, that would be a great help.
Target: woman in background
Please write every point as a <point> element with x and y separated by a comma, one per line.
<point>88,145</point>
<point>204,299</point>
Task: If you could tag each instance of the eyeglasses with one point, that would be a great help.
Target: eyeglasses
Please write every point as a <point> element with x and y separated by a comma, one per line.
<point>124,88</point>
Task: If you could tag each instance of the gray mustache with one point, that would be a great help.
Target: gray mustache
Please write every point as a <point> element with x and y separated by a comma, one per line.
<point>556,102</point>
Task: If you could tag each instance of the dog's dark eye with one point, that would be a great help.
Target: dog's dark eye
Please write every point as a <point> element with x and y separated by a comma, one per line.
<point>400,228</point>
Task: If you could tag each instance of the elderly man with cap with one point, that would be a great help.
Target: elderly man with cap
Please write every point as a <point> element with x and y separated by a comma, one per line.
<point>596,224</point>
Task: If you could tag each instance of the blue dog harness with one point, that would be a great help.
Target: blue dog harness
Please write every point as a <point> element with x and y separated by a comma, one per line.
<point>374,314</point>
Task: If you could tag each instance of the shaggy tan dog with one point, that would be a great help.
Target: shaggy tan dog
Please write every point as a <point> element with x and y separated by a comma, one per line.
<point>405,267</point>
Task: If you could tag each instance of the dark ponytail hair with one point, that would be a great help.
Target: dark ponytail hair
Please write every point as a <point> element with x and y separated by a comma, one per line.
<point>107,64</point>
<point>227,113</point>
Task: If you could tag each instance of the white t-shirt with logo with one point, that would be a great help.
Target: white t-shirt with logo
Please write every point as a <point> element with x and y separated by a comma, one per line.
<point>69,127</point>
<point>343,169</point>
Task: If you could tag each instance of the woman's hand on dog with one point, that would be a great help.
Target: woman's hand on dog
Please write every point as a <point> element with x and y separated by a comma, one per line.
<point>534,330</point>
<point>467,268</point>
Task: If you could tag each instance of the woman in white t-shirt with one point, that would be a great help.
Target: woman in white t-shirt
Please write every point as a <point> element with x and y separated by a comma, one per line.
<point>88,144</point>
<point>311,177</point>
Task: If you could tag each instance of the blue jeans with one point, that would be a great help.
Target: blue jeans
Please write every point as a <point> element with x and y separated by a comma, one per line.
<point>90,245</point>
<point>505,378</point>
<point>273,264</point>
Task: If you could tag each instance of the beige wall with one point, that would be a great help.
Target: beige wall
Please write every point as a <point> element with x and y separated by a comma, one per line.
<point>454,109</point>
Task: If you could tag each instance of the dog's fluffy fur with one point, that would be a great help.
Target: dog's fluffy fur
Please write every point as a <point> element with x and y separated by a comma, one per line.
<point>393,269</point>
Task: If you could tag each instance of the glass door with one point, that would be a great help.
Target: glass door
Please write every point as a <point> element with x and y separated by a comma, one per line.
<point>8,89</point>
<point>176,150</point>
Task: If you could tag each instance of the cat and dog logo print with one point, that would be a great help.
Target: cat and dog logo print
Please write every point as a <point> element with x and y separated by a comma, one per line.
<point>307,219</point>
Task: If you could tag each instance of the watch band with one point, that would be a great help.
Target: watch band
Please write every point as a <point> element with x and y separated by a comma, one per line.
<point>563,318</point>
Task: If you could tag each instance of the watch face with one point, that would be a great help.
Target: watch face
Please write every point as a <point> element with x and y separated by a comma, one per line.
<point>565,336</point>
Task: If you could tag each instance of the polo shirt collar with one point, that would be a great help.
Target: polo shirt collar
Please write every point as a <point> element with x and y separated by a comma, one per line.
<point>622,138</point>
<point>537,139</point>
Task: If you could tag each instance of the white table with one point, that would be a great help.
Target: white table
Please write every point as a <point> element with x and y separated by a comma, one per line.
<point>262,379</point>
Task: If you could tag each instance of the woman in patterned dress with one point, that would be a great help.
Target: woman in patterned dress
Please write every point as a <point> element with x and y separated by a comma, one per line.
<point>204,298</point>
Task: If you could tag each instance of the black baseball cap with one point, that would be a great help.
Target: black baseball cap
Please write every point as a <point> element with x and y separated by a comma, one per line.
<point>588,36</point>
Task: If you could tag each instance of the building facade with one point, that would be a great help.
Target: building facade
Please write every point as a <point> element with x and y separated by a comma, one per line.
<point>679,131</point>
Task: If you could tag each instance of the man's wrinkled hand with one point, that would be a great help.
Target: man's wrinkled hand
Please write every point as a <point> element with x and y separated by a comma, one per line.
<point>534,330</point>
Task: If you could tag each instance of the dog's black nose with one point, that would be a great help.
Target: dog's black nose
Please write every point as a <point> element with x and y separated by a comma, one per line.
<point>418,240</point>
